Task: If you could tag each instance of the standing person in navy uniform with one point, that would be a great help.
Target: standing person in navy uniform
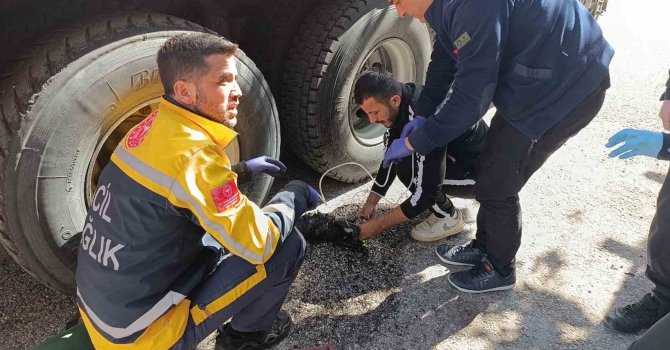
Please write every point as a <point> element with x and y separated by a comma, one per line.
<point>652,310</point>
<point>544,65</point>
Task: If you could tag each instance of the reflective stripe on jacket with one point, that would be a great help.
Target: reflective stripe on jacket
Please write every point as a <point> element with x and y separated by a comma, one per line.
<point>168,183</point>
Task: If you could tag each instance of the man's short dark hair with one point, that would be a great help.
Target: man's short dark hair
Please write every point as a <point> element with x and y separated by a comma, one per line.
<point>182,57</point>
<point>377,83</point>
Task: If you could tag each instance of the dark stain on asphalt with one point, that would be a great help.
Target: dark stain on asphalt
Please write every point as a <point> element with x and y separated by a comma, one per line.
<point>332,274</point>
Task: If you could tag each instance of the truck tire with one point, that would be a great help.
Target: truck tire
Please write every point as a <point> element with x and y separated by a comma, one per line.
<point>269,39</point>
<point>339,40</point>
<point>66,104</point>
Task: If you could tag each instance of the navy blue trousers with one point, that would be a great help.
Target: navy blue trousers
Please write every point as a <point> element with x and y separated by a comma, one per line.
<point>252,309</point>
<point>508,161</point>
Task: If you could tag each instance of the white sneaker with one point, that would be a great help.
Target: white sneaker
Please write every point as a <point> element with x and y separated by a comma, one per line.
<point>435,228</point>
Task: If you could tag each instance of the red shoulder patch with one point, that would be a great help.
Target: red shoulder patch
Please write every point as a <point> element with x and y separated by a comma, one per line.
<point>226,196</point>
<point>140,131</point>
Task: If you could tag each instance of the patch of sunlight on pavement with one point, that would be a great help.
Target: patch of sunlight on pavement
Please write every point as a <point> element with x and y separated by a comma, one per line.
<point>431,313</point>
<point>573,334</point>
<point>480,335</point>
<point>430,273</point>
<point>355,306</point>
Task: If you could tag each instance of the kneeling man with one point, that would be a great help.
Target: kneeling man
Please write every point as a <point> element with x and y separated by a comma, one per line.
<point>450,170</point>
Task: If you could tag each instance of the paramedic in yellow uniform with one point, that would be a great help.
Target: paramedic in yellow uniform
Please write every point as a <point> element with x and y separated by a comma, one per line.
<point>171,249</point>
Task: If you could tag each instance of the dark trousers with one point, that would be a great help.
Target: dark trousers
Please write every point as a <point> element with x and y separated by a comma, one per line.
<point>509,159</point>
<point>658,245</point>
<point>251,295</point>
<point>446,171</point>
<point>655,338</point>
<point>658,270</point>
<point>457,181</point>
<point>424,175</point>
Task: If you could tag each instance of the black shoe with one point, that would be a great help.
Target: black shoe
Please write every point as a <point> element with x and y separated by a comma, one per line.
<point>230,339</point>
<point>463,255</point>
<point>482,278</point>
<point>636,317</point>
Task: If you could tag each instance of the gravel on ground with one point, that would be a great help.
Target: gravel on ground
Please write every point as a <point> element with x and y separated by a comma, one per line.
<point>586,219</point>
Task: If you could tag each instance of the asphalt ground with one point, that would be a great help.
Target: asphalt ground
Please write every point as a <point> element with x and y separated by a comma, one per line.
<point>586,219</point>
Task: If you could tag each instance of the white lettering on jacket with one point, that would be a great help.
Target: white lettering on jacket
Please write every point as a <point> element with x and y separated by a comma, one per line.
<point>100,206</point>
<point>99,247</point>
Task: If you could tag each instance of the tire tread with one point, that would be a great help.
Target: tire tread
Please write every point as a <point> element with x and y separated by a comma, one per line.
<point>308,60</point>
<point>20,86</point>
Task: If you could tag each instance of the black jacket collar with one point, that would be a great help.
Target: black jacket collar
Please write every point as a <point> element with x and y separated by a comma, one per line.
<point>409,95</point>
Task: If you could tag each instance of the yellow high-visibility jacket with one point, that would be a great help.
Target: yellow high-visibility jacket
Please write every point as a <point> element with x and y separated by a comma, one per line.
<point>168,183</point>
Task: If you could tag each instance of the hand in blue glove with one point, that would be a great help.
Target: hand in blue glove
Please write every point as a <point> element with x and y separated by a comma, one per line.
<point>265,164</point>
<point>411,126</point>
<point>313,198</point>
<point>397,151</point>
<point>636,143</point>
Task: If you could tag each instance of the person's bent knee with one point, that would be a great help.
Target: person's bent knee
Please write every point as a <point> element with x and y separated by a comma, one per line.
<point>497,200</point>
<point>300,242</point>
<point>298,183</point>
<point>294,245</point>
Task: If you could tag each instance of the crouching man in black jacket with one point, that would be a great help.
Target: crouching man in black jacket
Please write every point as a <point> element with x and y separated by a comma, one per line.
<point>448,170</point>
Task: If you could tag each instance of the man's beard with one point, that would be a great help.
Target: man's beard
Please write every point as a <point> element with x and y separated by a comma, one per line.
<point>215,113</point>
<point>393,114</point>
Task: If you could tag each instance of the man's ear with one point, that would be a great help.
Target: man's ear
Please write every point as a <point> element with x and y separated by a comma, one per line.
<point>184,92</point>
<point>395,101</point>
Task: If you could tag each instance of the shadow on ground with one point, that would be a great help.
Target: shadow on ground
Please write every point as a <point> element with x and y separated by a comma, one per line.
<point>351,300</point>
<point>655,176</point>
<point>385,301</point>
<point>396,296</point>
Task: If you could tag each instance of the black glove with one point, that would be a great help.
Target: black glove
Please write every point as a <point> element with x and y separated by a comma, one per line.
<point>341,233</point>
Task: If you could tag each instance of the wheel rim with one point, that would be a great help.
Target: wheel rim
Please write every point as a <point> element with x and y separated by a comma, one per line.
<point>114,134</point>
<point>395,56</point>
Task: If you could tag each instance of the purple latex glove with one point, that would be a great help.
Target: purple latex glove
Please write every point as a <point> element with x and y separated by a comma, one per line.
<point>411,126</point>
<point>313,198</point>
<point>397,151</point>
<point>265,164</point>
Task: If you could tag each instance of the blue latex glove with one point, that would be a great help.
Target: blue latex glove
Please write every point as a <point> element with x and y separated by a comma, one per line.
<point>265,164</point>
<point>411,126</point>
<point>397,151</point>
<point>636,143</point>
<point>313,198</point>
